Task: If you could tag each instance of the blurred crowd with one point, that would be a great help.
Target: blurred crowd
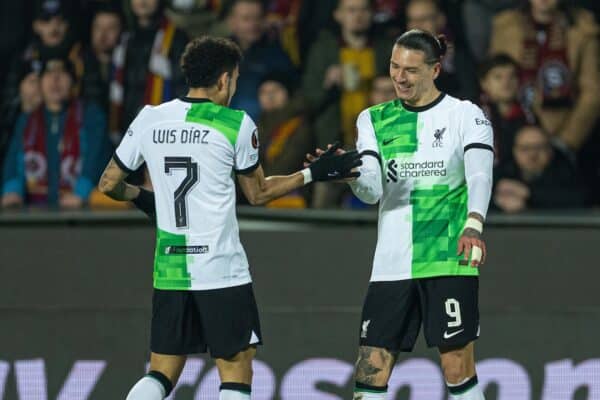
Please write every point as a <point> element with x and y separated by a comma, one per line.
<point>75,74</point>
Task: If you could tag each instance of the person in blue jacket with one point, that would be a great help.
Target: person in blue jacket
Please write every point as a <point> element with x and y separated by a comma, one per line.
<point>58,150</point>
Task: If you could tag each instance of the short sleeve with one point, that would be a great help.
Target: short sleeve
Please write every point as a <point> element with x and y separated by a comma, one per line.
<point>366,143</point>
<point>246,147</point>
<point>476,129</point>
<point>129,153</point>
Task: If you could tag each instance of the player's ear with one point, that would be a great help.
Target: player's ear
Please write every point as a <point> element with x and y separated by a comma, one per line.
<point>437,68</point>
<point>223,81</point>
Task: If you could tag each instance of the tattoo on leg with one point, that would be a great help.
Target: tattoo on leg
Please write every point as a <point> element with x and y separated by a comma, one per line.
<point>371,361</point>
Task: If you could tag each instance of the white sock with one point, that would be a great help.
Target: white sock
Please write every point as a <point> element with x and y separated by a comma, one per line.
<point>234,391</point>
<point>147,388</point>
<point>233,395</point>
<point>369,395</point>
<point>466,390</point>
<point>368,392</point>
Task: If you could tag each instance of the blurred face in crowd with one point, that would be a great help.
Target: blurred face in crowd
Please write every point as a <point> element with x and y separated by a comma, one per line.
<point>382,90</point>
<point>354,16</point>
<point>532,150</point>
<point>51,31</point>
<point>144,9</point>
<point>29,92</point>
<point>425,15</point>
<point>411,75</point>
<point>544,6</point>
<point>56,83</point>
<point>246,21</point>
<point>501,84</point>
<point>272,96</point>
<point>106,29</point>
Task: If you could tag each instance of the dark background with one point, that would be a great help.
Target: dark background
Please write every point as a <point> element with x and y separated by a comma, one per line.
<point>81,290</point>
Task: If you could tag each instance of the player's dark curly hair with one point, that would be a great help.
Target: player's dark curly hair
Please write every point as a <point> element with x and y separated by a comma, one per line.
<point>433,47</point>
<point>206,58</point>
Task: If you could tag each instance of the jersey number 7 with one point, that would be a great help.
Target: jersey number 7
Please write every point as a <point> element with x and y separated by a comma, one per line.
<point>191,177</point>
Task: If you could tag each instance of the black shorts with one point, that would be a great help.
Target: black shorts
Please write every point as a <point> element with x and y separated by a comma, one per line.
<point>447,306</point>
<point>224,321</point>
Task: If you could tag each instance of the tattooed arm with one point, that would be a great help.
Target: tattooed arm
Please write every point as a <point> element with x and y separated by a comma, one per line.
<point>112,183</point>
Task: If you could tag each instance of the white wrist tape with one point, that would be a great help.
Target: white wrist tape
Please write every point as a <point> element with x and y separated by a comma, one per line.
<point>474,223</point>
<point>476,253</point>
<point>307,175</point>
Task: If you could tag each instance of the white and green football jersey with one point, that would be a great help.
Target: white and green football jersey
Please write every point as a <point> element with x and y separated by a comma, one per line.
<point>423,208</point>
<point>192,148</point>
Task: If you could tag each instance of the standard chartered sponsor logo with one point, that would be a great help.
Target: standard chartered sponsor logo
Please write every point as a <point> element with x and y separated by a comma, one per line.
<point>423,169</point>
<point>309,379</point>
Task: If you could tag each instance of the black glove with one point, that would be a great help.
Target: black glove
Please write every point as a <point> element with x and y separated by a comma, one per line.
<point>331,167</point>
<point>145,202</point>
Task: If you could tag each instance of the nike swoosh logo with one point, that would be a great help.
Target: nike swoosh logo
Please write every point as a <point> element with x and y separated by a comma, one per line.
<point>449,335</point>
<point>388,141</point>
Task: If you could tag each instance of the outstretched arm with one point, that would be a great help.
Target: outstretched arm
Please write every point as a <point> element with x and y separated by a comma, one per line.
<point>260,190</point>
<point>327,167</point>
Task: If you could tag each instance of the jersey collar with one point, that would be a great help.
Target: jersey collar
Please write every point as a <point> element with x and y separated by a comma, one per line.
<point>194,100</point>
<point>425,107</point>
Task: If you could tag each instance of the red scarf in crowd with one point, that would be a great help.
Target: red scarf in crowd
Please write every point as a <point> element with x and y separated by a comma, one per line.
<point>36,157</point>
<point>158,78</point>
<point>545,68</point>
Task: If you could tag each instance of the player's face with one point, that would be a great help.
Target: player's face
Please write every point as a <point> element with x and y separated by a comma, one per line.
<point>532,151</point>
<point>412,77</point>
<point>501,84</point>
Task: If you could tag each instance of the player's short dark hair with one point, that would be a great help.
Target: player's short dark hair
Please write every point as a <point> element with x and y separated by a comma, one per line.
<point>498,60</point>
<point>206,58</point>
<point>433,47</point>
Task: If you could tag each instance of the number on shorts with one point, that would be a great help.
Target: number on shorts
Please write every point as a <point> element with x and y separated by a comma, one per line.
<point>453,311</point>
<point>191,177</point>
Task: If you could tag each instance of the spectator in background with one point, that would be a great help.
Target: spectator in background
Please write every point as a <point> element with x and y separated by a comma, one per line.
<point>262,55</point>
<point>382,90</point>
<point>98,56</point>
<point>146,64</point>
<point>29,99</point>
<point>539,177</point>
<point>556,48</point>
<point>337,78</point>
<point>195,17</point>
<point>499,81</point>
<point>57,152</point>
<point>458,66</point>
<point>53,37</point>
<point>283,132</point>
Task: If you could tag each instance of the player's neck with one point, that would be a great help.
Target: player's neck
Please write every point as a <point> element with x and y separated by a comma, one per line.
<point>425,99</point>
<point>202,93</point>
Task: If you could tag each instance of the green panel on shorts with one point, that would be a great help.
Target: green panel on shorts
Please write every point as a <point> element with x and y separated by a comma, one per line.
<point>223,119</point>
<point>395,129</point>
<point>438,219</point>
<point>170,270</point>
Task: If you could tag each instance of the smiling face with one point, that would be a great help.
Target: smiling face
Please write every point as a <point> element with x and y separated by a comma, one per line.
<point>411,75</point>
